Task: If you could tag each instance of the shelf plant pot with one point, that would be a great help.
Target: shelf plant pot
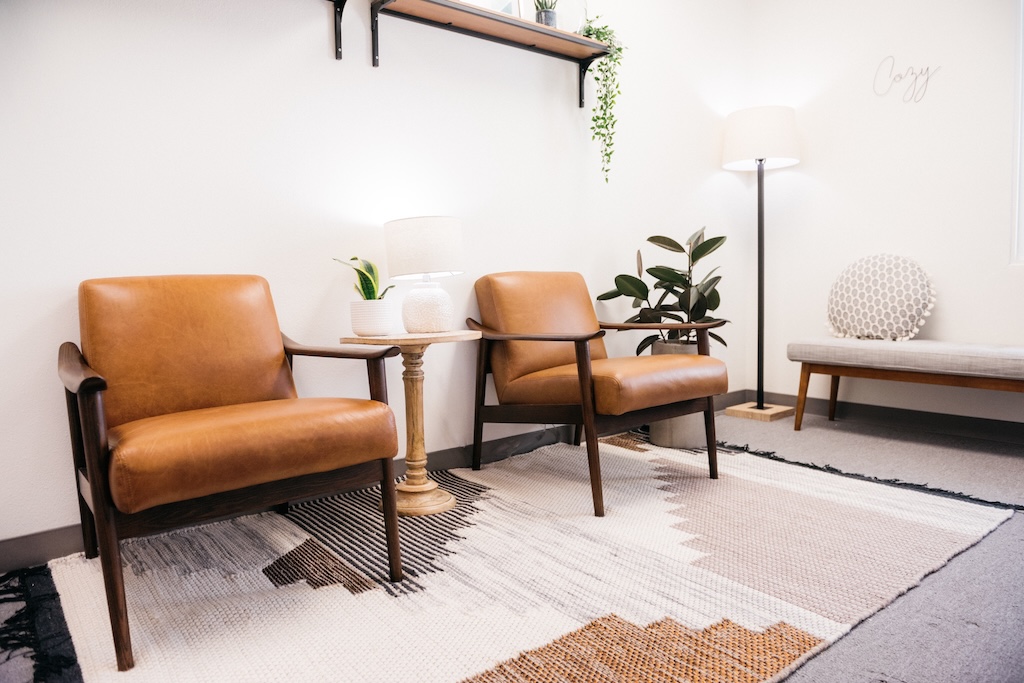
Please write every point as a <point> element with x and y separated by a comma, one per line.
<point>547,17</point>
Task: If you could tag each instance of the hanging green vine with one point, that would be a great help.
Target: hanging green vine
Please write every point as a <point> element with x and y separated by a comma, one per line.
<point>606,78</point>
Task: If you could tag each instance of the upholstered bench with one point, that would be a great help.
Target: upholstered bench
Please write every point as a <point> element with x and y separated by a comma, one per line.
<point>978,366</point>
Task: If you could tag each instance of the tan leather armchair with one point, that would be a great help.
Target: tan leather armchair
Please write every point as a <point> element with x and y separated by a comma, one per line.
<point>182,409</point>
<point>543,345</point>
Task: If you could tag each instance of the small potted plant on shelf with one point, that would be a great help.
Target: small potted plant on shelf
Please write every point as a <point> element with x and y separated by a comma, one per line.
<point>682,299</point>
<point>372,315</point>
<point>546,12</point>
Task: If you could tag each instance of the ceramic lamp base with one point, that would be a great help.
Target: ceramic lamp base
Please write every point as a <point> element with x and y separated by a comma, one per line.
<point>427,308</point>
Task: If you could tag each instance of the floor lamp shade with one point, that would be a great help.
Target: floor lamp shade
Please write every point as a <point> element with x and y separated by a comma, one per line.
<point>767,133</point>
<point>757,139</point>
<point>425,248</point>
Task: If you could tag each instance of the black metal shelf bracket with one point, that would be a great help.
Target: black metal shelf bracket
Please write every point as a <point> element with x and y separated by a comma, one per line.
<point>339,10</point>
<point>375,9</point>
<point>584,68</point>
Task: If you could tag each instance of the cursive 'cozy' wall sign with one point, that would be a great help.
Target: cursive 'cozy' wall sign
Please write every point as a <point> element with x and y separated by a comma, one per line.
<point>912,81</point>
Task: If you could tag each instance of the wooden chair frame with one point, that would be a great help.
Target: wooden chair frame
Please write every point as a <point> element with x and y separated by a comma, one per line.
<point>104,526</point>
<point>583,415</point>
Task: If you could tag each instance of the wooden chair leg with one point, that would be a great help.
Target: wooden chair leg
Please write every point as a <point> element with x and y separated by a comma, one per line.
<point>113,583</point>
<point>478,445</point>
<point>709,430</point>
<point>594,460</point>
<point>577,436</point>
<point>89,540</point>
<point>833,397</point>
<point>390,505</point>
<point>586,378</point>
<point>801,398</point>
<point>481,396</point>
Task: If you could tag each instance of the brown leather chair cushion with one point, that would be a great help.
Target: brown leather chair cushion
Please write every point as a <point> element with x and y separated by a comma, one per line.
<point>530,302</point>
<point>180,456</point>
<point>182,342</point>
<point>622,385</point>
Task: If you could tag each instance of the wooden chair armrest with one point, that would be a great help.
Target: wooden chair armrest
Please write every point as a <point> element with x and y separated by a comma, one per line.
<point>494,335</point>
<point>703,336</point>
<point>294,348</point>
<point>662,326</point>
<point>76,375</point>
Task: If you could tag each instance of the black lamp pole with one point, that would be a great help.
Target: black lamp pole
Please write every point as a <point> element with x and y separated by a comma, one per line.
<point>760,284</point>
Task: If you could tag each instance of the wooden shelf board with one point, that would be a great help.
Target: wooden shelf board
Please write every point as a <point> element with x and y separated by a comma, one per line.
<point>497,25</point>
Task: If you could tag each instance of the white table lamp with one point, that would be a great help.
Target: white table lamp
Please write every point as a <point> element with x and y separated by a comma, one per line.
<point>757,139</point>
<point>425,248</point>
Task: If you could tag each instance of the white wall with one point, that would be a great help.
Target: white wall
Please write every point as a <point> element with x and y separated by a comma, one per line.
<point>213,136</point>
<point>933,180</point>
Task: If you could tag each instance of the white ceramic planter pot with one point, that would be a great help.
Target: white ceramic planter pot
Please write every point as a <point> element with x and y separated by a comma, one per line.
<point>375,317</point>
<point>685,431</point>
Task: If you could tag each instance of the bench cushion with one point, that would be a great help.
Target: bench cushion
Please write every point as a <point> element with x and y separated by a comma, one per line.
<point>917,355</point>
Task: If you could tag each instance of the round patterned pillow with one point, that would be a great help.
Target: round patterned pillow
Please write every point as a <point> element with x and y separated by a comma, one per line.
<point>880,297</point>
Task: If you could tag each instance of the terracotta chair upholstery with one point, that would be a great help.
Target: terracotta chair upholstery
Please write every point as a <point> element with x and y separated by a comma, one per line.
<point>542,342</point>
<point>182,409</point>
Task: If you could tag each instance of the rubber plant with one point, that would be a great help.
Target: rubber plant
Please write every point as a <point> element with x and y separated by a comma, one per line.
<point>606,78</point>
<point>682,298</point>
<point>368,282</point>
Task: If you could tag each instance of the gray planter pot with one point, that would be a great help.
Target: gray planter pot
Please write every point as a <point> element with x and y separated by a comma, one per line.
<point>547,17</point>
<point>686,431</point>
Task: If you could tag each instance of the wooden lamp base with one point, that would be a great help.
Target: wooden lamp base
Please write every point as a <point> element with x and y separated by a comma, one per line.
<point>766,414</point>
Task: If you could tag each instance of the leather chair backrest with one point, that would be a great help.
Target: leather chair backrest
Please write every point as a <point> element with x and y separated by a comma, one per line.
<point>535,302</point>
<point>166,344</point>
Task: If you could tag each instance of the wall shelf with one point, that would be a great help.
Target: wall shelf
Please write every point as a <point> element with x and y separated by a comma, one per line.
<point>479,22</point>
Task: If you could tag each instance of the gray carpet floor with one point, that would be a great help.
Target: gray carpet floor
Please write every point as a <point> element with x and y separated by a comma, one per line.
<point>965,622</point>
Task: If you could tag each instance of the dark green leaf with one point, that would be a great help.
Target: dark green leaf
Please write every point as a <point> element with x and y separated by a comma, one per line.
<point>667,243</point>
<point>709,285</point>
<point>649,315</point>
<point>706,247</point>
<point>717,338</point>
<point>610,294</point>
<point>695,239</point>
<point>647,342</point>
<point>669,275</point>
<point>698,310</point>
<point>632,286</point>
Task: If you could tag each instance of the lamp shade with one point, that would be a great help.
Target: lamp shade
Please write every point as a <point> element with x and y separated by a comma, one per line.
<point>767,133</point>
<point>424,247</point>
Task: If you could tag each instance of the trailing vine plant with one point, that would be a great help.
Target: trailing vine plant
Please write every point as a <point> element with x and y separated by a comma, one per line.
<point>606,78</point>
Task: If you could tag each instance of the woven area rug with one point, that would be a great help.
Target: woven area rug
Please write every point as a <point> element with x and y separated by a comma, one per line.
<point>685,578</point>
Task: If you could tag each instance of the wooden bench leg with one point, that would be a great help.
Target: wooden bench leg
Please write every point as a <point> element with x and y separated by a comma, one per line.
<point>833,395</point>
<point>801,398</point>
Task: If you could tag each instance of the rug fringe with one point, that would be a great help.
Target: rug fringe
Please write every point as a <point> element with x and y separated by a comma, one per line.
<point>37,630</point>
<point>898,483</point>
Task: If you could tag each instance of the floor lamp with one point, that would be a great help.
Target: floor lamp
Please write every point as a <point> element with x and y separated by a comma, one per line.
<point>760,139</point>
